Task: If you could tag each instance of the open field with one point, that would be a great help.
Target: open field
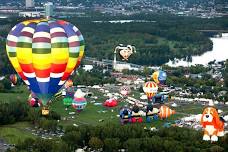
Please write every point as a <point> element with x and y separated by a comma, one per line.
<point>15,133</point>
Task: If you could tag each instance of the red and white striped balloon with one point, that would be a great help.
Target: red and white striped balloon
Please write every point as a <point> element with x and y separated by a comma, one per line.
<point>150,88</point>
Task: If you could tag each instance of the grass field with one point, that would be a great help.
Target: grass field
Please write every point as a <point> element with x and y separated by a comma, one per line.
<point>15,133</point>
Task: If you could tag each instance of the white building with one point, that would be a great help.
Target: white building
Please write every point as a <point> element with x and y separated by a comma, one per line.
<point>121,67</point>
<point>29,3</point>
<point>49,7</point>
<point>29,14</point>
<point>87,67</point>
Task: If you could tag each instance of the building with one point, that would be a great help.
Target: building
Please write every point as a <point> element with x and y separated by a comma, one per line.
<point>48,9</point>
<point>87,68</point>
<point>29,3</point>
<point>29,14</point>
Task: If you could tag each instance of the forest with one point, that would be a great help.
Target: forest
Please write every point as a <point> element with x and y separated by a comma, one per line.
<point>133,138</point>
<point>157,38</point>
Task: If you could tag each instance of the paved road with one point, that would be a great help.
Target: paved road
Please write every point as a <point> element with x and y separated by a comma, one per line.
<point>3,146</point>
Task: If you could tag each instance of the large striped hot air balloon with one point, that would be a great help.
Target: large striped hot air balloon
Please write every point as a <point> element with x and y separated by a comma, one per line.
<point>159,77</point>
<point>44,52</point>
<point>150,88</point>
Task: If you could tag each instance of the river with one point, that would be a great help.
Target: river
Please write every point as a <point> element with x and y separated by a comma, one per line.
<point>218,53</point>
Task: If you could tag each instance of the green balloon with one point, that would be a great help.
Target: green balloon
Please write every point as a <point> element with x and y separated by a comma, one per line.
<point>67,101</point>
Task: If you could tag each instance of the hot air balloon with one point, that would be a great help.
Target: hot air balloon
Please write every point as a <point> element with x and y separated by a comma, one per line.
<point>67,101</point>
<point>125,51</point>
<point>150,88</point>
<point>69,83</point>
<point>111,102</point>
<point>70,91</point>
<point>44,52</point>
<point>159,98</point>
<point>151,113</point>
<point>125,90</point>
<point>212,123</point>
<point>165,112</point>
<point>136,116</point>
<point>33,101</point>
<point>125,115</point>
<point>79,102</point>
<point>13,79</point>
<point>159,77</point>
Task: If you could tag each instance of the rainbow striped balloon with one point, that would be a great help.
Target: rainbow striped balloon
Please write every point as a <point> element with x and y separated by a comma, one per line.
<point>150,88</point>
<point>44,52</point>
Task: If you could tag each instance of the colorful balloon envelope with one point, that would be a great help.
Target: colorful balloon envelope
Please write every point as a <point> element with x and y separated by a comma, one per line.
<point>44,52</point>
<point>111,103</point>
<point>79,104</point>
<point>150,88</point>
<point>125,90</point>
<point>165,112</point>
<point>69,83</point>
<point>67,101</point>
<point>159,77</point>
<point>125,51</point>
<point>14,78</point>
<point>34,102</point>
<point>70,91</point>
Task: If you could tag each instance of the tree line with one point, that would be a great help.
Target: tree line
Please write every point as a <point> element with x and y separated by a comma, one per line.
<point>112,137</point>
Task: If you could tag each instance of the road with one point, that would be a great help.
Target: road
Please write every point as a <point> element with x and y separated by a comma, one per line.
<point>3,145</point>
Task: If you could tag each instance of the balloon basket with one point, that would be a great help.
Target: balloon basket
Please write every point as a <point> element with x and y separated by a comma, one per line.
<point>45,111</point>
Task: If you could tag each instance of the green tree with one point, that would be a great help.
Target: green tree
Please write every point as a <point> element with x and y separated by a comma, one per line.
<point>72,139</point>
<point>132,145</point>
<point>95,143</point>
<point>216,148</point>
<point>111,144</point>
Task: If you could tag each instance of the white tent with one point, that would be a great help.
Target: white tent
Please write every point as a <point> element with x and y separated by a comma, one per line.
<point>143,97</point>
<point>174,105</point>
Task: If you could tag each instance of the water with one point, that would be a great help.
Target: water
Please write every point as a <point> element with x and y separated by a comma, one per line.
<point>124,21</point>
<point>218,53</point>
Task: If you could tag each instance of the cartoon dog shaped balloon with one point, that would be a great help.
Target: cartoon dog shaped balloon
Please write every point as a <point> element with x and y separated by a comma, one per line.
<point>212,124</point>
<point>125,51</point>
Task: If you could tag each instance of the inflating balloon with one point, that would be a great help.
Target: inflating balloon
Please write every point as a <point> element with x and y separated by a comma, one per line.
<point>150,88</point>
<point>159,77</point>
<point>44,52</point>
<point>110,103</point>
<point>79,102</point>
